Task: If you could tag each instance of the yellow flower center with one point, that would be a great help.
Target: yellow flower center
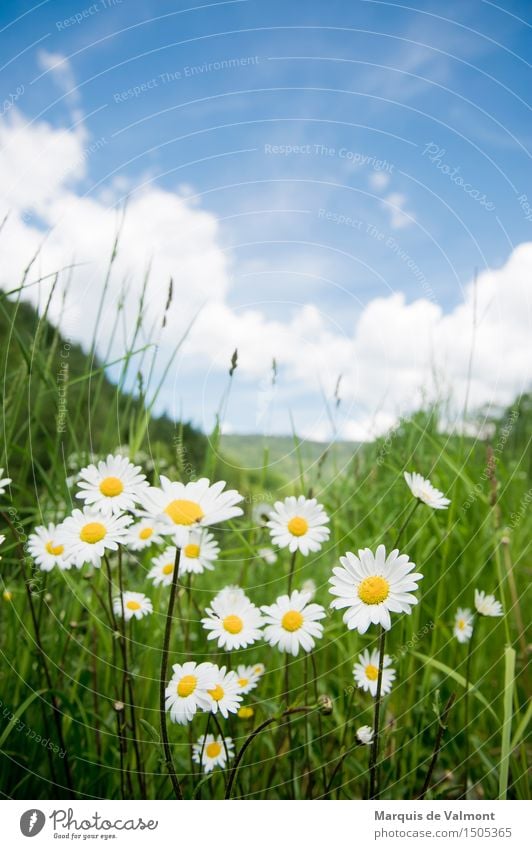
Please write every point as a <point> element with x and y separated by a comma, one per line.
<point>146,533</point>
<point>461,624</point>
<point>54,549</point>
<point>374,590</point>
<point>111,486</point>
<point>245,712</point>
<point>233,624</point>
<point>133,605</point>
<point>372,672</point>
<point>298,526</point>
<point>217,693</point>
<point>191,550</point>
<point>243,682</point>
<point>292,620</point>
<point>168,569</point>
<point>186,686</point>
<point>92,532</point>
<point>183,512</point>
<point>212,750</point>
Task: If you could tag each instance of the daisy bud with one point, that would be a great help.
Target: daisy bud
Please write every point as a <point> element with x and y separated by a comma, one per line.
<point>325,704</point>
<point>119,706</point>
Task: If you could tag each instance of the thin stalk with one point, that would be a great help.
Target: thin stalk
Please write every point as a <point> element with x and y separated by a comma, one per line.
<point>162,681</point>
<point>442,727</point>
<point>118,630</point>
<point>291,571</point>
<point>55,708</point>
<point>255,733</point>
<point>373,770</point>
<point>466,709</point>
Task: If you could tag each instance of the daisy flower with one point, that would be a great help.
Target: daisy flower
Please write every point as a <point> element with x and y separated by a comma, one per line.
<point>136,605</point>
<point>185,505</point>
<point>163,568</point>
<point>463,625</point>
<point>198,553</point>
<point>487,605</point>
<point>87,534</point>
<point>144,533</point>
<point>292,623</point>
<point>261,513</point>
<point>45,550</point>
<point>422,488</point>
<point>3,482</point>
<point>249,677</point>
<point>234,622</point>
<point>299,524</point>
<point>211,752</point>
<point>364,735</point>
<point>112,485</point>
<point>187,690</point>
<point>230,594</point>
<point>2,540</point>
<point>371,586</point>
<point>309,587</point>
<point>366,672</point>
<point>268,555</point>
<point>224,695</point>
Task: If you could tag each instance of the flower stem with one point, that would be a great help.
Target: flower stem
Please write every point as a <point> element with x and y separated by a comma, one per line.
<point>162,682</point>
<point>291,571</point>
<point>442,726</point>
<point>373,766</point>
<point>467,752</point>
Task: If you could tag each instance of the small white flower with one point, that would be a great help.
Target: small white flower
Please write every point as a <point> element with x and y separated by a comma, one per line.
<point>299,524</point>
<point>261,513</point>
<point>3,482</point>
<point>249,677</point>
<point>112,485</point>
<point>268,555</point>
<point>211,751</point>
<point>199,553</point>
<point>422,488</point>
<point>366,672</point>
<point>187,690</point>
<point>87,534</point>
<point>463,625</point>
<point>144,533</point>
<point>185,506</point>
<point>292,623</point>
<point>364,735</point>
<point>136,605</point>
<point>487,605</point>
<point>162,570</point>
<point>224,695</point>
<point>371,586</point>
<point>45,550</point>
<point>235,623</point>
<point>230,595</point>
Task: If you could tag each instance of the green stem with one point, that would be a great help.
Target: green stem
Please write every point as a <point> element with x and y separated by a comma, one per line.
<point>162,681</point>
<point>373,767</point>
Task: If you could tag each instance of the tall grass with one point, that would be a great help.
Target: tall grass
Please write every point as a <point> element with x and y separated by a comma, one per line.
<point>61,655</point>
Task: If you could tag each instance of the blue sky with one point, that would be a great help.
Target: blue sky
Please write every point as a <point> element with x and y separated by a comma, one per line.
<point>349,165</point>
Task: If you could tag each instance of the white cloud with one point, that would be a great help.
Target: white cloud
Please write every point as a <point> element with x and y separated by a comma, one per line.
<point>394,204</point>
<point>386,358</point>
<point>378,180</point>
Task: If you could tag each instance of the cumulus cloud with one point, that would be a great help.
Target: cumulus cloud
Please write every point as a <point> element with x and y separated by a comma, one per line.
<point>387,357</point>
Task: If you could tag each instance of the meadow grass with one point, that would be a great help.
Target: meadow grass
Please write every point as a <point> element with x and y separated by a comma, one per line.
<point>455,722</point>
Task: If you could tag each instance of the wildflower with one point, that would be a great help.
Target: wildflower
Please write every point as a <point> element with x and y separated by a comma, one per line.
<point>229,594</point>
<point>87,534</point>
<point>199,553</point>
<point>187,690</point>
<point>234,622</point>
<point>7,595</point>
<point>3,482</point>
<point>364,735</point>
<point>371,586</point>
<point>292,623</point>
<point>185,506</point>
<point>366,672</point>
<point>249,677</point>
<point>245,712</point>
<point>299,524</point>
<point>144,533</point>
<point>463,625</point>
<point>422,488</point>
<point>112,485</point>
<point>487,605</point>
<point>224,696</point>
<point>45,550</point>
<point>268,555</point>
<point>136,605</point>
<point>211,751</point>
<point>309,587</point>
